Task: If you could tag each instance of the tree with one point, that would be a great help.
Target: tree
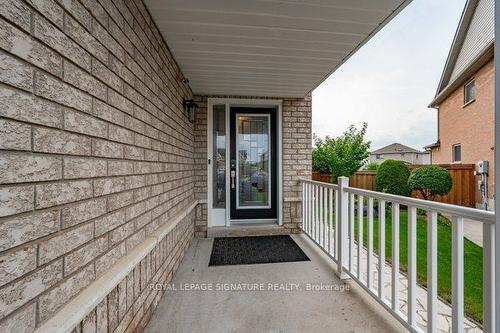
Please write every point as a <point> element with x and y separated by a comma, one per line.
<point>341,156</point>
<point>372,166</point>
<point>430,181</point>
<point>392,177</point>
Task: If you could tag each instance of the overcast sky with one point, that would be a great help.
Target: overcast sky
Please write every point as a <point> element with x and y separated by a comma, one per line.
<point>390,81</point>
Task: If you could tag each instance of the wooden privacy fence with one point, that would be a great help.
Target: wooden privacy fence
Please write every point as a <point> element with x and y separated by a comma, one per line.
<point>463,192</point>
<point>364,180</point>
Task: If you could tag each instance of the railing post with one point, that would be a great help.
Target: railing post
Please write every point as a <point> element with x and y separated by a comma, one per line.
<point>432,273</point>
<point>457,274</point>
<point>489,278</point>
<point>342,225</point>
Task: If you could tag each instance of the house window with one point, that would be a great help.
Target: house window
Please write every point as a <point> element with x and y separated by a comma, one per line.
<point>457,153</point>
<point>470,92</point>
<point>377,156</point>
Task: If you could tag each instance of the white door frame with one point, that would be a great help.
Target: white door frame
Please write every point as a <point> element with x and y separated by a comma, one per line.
<point>242,102</point>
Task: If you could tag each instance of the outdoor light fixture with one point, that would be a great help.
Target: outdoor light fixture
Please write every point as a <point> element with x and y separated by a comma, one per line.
<point>190,106</point>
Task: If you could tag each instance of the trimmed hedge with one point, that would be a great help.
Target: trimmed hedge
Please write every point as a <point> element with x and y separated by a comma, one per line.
<point>430,181</point>
<point>392,177</point>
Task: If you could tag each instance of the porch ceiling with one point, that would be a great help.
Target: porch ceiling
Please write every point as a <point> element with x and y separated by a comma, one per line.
<point>266,47</point>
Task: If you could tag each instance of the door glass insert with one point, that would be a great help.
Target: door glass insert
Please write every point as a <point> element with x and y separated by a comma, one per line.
<point>253,161</point>
<point>219,156</point>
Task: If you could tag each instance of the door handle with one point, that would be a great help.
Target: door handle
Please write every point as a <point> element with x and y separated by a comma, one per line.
<point>233,174</point>
<point>233,177</point>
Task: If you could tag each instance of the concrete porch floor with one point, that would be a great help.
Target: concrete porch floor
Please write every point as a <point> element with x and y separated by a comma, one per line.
<point>266,309</point>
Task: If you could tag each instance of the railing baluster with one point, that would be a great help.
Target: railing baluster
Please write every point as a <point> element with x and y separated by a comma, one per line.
<point>360,233</point>
<point>351,231</point>
<point>330,221</point>
<point>311,209</point>
<point>457,275</point>
<point>412,265</point>
<point>309,201</point>
<point>304,200</point>
<point>488,278</point>
<point>321,217</point>
<point>381,248</point>
<point>369,260</point>
<point>325,214</point>
<point>395,257</point>
<point>432,254</point>
<point>320,213</point>
<point>306,207</point>
<point>336,217</point>
<point>316,211</point>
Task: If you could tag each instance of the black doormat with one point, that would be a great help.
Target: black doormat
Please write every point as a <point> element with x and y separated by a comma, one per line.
<point>255,250</point>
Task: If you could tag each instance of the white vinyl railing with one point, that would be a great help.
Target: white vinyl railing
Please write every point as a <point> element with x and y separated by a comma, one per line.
<point>331,214</point>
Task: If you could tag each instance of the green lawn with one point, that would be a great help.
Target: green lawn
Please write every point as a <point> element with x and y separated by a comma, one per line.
<point>473,264</point>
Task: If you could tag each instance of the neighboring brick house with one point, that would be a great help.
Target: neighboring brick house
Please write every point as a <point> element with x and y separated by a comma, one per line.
<point>399,152</point>
<point>465,95</point>
<point>104,177</point>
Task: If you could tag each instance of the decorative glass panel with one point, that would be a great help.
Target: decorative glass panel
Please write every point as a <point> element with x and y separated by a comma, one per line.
<point>253,161</point>
<point>219,156</point>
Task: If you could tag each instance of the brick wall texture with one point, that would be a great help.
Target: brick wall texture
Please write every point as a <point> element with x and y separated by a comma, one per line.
<point>96,153</point>
<point>471,126</point>
<point>296,153</point>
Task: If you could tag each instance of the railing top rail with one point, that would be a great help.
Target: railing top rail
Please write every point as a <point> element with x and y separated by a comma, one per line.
<point>329,185</point>
<point>466,212</point>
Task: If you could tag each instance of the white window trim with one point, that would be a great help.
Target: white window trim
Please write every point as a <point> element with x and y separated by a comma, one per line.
<point>473,80</point>
<point>453,153</point>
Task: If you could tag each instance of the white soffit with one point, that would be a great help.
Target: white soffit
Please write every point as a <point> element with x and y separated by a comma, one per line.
<point>266,47</point>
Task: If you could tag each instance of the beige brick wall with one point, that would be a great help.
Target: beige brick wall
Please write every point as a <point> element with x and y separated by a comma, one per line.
<point>200,159</point>
<point>296,153</point>
<point>472,126</point>
<point>129,306</point>
<point>297,158</point>
<point>95,154</point>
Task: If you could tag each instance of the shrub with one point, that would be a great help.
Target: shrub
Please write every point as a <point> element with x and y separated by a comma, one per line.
<point>392,177</point>
<point>341,156</point>
<point>430,181</point>
<point>320,156</point>
<point>372,166</point>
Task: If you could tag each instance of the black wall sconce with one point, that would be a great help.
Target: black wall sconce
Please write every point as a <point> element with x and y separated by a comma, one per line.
<point>190,107</point>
